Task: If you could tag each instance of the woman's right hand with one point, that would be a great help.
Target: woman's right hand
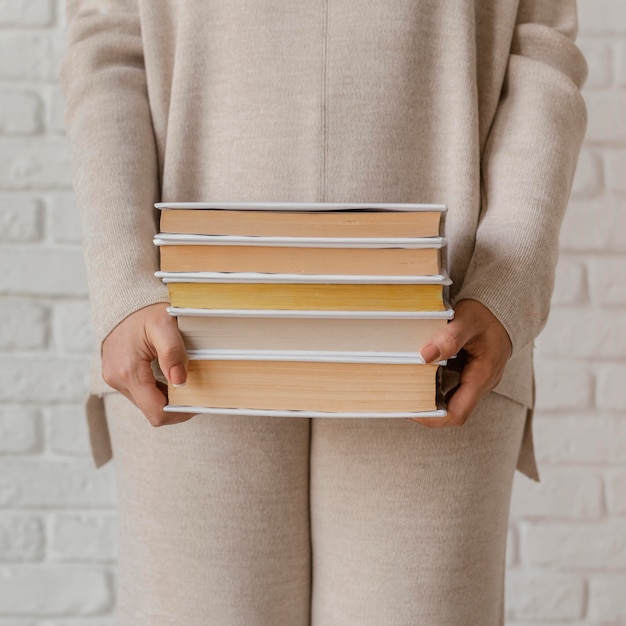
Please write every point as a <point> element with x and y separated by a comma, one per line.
<point>128,351</point>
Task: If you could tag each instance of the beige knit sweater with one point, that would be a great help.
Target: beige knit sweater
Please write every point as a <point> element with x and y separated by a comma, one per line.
<point>475,104</point>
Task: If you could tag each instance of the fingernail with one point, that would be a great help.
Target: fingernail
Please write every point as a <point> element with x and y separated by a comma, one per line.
<point>177,375</point>
<point>430,353</point>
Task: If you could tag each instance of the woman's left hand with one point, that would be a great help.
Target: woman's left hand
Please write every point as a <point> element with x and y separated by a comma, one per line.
<point>477,331</point>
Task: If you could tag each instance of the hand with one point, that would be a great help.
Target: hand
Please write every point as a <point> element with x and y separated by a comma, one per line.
<point>127,352</point>
<point>477,331</point>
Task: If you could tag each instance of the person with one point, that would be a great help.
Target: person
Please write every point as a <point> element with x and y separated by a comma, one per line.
<point>281,521</point>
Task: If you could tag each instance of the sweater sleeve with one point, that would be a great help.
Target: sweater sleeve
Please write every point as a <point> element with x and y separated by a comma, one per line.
<point>114,159</point>
<point>527,167</point>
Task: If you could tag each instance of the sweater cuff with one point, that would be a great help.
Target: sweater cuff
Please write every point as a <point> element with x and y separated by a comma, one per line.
<point>107,317</point>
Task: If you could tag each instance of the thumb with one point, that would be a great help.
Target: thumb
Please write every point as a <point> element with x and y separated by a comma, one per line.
<point>171,352</point>
<point>447,342</point>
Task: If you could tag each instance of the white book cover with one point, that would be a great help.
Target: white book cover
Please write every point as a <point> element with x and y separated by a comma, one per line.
<point>180,311</point>
<point>340,279</point>
<point>198,410</point>
<point>302,206</point>
<point>309,356</point>
<point>172,239</point>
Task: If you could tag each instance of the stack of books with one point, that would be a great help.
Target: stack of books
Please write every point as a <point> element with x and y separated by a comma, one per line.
<point>306,309</point>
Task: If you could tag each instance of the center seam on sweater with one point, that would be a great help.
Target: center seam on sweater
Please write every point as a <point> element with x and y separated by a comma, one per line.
<point>324,102</point>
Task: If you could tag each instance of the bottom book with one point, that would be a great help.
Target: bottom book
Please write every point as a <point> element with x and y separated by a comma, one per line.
<point>308,385</point>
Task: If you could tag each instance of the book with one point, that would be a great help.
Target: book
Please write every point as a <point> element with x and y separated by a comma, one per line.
<point>305,255</point>
<point>302,219</point>
<point>383,333</point>
<point>293,382</point>
<point>341,293</point>
<point>306,309</point>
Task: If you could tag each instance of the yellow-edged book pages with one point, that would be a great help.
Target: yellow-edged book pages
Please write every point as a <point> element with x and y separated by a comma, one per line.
<point>308,296</point>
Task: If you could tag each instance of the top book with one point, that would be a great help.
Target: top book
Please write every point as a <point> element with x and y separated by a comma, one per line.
<point>293,219</point>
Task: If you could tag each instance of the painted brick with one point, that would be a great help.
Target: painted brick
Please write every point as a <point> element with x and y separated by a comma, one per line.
<point>602,16</point>
<point>599,60</point>
<point>570,285</point>
<point>67,430</point>
<point>563,385</point>
<point>84,538</point>
<point>611,390</point>
<point>20,112</point>
<point>43,379</point>
<point>64,223</point>
<point>607,121</point>
<point>588,178</point>
<point>55,111</point>
<point>572,440</point>
<point>72,327</point>
<point>544,595</point>
<point>607,282</point>
<point>22,538</point>
<point>26,56</point>
<point>616,171</point>
<point>20,219</point>
<point>621,65</point>
<point>26,12</point>
<point>583,333</point>
<point>64,219</point>
<point>20,430</point>
<point>598,545</point>
<point>28,163</point>
<point>27,483</point>
<point>24,325</point>
<point>595,226</point>
<point>58,590</point>
<point>616,492</point>
<point>619,442</point>
<point>606,599</point>
<point>97,622</point>
<point>563,493</point>
<point>42,271</point>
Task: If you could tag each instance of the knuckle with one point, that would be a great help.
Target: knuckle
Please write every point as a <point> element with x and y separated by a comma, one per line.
<point>113,376</point>
<point>170,352</point>
<point>452,340</point>
<point>124,372</point>
<point>108,376</point>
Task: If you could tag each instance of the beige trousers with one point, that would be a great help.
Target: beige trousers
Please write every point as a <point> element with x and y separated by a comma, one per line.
<point>228,521</point>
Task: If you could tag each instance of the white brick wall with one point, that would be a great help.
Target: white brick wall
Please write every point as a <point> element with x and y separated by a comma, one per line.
<point>569,532</point>
<point>567,544</point>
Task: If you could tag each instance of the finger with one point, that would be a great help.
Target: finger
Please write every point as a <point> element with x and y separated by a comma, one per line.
<point>150,398</point>
<point>460,407</point>
<point>170,350</point>
<point>447,342</point>
<point>477,380</point>
<point>463,402</point>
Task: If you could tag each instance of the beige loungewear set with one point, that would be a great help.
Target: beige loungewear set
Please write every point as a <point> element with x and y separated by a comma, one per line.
<point>471,103</point>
